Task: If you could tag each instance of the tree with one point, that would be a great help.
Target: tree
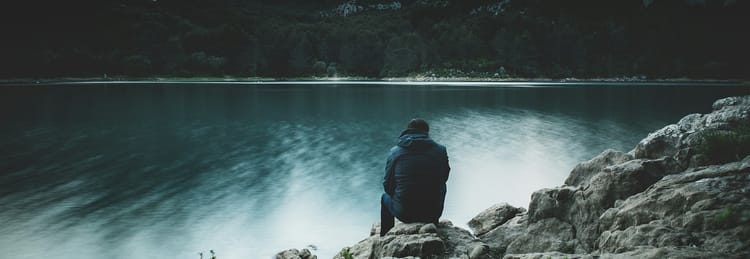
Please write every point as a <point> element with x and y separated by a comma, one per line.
<point>362,54</point>
<point>403,54</point>
<point>301,56</point>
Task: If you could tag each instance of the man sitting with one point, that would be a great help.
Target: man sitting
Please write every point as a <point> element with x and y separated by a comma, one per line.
<point>415,176</point>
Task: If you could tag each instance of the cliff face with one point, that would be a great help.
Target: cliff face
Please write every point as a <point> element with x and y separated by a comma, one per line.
<point>667,198</point>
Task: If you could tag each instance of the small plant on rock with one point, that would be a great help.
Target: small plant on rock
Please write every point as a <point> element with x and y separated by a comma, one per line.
<point>347,254</point>
<point>723,146</point>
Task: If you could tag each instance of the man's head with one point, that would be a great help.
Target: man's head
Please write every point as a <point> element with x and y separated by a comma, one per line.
<point>419,124</point>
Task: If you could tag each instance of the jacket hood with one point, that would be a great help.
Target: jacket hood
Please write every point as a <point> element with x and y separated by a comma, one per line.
<point>414,139</point>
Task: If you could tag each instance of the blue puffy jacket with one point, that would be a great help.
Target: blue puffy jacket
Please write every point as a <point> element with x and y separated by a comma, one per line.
<point>415,176</point>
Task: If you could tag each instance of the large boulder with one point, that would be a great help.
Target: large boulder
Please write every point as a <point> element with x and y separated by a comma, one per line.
<point>499,238</point>
<point>609,181</point>
<point>582,206</point>
<point>708,208</point>
<point>548,255</point>
<point>679,140</point>
<point>585,170</point>
<point>546,235</point>
<point>295,254</point>
<point>493,217</point>
<point>643,252</point>
<point>650,252</point>
<point>419,240</point>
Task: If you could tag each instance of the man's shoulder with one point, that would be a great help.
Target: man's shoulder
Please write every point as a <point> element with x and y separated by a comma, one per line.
<point>396,151</point>
<point>440,147</point>
<point>399,150</point>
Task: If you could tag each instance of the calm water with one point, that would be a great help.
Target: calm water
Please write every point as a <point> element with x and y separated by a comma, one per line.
<point>167,171</point>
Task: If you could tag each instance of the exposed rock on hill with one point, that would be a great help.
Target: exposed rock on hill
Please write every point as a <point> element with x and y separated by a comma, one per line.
<point>657,201</point>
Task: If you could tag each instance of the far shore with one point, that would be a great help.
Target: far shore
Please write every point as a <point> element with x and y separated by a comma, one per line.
<point>468,81</point>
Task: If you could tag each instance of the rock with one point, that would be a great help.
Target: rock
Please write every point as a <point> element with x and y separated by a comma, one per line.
<point>641,253</point>
<point>705,207</point>
<point>548,255</point>
<point>549,203</point>
<point>499,238</point>
<point>611,177</point>
<point>479,251</point>
<point>405,229</point>
<point>583,171</point>
<point>375,229</point>
<point>428,228</point>
<point>459,242</point>
<point>663,142</point>
<point>420,245</point>
<point>546,235</point>
<point>678,140</point>
<point>363,249</point>
<point>493,217</point>
<point>306,254</point>
<point>295,254</point>
<point>734,101</point>
<point>418,240</point>
<point>582,206</point>
<point>648,252</point>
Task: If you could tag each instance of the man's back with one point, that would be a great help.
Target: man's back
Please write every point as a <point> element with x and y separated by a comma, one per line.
<point>416,172</point>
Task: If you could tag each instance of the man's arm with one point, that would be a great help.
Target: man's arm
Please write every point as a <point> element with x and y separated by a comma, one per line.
<point>447,165</point>
<point>389,181</point>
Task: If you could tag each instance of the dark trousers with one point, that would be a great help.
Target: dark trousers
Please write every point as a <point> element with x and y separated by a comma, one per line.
<point>386,216</point>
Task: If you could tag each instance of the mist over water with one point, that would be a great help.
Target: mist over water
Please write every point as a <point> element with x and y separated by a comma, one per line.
<point>167,171</point>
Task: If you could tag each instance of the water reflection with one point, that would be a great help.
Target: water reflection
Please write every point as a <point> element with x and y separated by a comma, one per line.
<point>167,171</point>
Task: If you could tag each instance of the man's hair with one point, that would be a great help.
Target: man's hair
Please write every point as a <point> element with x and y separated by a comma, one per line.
<point>419,124</point>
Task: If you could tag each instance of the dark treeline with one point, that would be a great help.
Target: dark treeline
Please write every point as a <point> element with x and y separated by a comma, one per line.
<point>534,38</point>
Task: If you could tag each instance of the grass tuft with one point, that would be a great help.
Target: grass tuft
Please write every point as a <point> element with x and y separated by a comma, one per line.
<point>723,146</point>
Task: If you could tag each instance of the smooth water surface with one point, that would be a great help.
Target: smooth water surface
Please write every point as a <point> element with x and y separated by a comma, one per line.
<point>167,171</point>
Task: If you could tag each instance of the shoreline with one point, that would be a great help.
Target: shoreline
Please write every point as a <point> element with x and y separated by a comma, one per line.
<point>450,81</point>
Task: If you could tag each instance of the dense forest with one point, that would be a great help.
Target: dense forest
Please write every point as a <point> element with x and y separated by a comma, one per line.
<point>441,38</point>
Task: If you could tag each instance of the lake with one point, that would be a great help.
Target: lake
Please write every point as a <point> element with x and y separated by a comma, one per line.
<point>170,170</point>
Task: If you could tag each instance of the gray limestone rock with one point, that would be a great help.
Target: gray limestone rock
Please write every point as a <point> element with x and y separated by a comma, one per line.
<point>428,228</point>
<point>493,217</point>
<point>707,207</point>
<point>585,170</point>
<point>417,240</point>
<point>548,255</point>
<point>499,238</point>
<point>546,235</point>
<point>295,254</point>
<point>678,140</point>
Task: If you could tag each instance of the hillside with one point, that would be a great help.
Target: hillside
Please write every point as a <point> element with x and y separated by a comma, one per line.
<point>480,38</point>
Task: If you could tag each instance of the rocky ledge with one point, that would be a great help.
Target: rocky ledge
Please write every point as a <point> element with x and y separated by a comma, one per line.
<point>670,197</point>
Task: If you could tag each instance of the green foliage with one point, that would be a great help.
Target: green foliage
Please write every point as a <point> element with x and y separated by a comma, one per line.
<point>731,216</point>
<point>137,64</point>
<point>319,67</point>
<point>199,62</point>
<point>347,254</point>
<point>722,146</point>
<point>403,54</point>
<point>331,70</point>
